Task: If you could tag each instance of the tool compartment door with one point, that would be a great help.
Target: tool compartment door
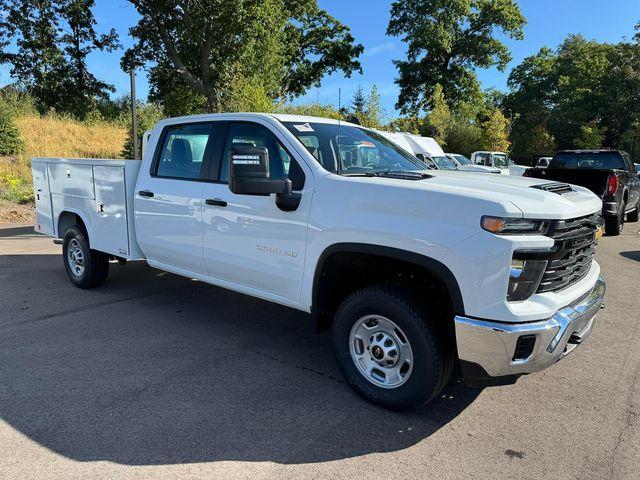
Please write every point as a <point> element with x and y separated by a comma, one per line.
<point>110,234</point>
<point>44,214</point>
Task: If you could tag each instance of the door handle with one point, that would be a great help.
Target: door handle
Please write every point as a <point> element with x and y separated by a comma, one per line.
<point>215,201</point>
<point>145,193</point>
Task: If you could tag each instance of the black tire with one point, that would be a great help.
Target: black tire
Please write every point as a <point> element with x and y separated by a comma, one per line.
<point>432,354</point>
<point>95,264</point>
<point>632,216</point>
<point>613,225</point>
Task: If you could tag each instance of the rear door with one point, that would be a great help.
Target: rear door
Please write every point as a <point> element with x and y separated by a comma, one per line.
<point>168,207</point>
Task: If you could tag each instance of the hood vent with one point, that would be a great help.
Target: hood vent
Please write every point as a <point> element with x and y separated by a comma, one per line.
<point>559,188</point>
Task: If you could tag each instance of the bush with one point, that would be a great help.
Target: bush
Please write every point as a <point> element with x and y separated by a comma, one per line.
<point>10,142</point>
<point>16,189</point>
<point>147,116</point>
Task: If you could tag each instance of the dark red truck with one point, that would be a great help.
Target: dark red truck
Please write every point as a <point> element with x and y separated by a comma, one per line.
<point>610,174</point>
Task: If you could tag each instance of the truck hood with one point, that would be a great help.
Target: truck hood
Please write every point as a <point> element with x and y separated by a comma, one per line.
<point>520,192</point>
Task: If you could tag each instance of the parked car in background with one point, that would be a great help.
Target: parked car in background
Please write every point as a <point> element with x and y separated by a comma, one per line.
<point>497,160</point>
<point>610,174</point>
<point>464,164</point>
<point>412,269</point>
<point>431,153</point>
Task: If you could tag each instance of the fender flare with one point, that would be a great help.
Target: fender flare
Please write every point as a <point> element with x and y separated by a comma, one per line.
<point>433,266</point>
<point>87,225</point>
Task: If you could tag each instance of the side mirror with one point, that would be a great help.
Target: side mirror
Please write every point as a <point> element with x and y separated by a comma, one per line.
<point>249,172</point>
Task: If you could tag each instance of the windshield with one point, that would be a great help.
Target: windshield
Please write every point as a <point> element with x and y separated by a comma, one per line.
<point>349,150</point>
<point>500,160</point>
<point>462,160</point>
<point>444,163</point>
<point>588,160</point>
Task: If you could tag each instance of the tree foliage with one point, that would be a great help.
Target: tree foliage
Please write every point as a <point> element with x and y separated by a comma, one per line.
<point>237,54</point>
<point>52,40</point>
<point>367,108</point>
<point>446,40</point>
<point>10,142</point>
<point>583,93</point>
<point>495,132</point>
<point>440,118</point>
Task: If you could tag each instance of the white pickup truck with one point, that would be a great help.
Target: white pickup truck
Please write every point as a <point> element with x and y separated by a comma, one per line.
<point>412,269</point>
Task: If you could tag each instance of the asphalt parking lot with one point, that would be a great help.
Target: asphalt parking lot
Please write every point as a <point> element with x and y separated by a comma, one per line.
<point>158,376</point>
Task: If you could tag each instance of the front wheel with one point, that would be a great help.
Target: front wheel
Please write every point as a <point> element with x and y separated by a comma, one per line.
<point>85,268</point>
<point>390,350</point>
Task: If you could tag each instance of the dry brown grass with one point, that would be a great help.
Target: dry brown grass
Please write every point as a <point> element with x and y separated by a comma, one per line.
<point>55,137</point>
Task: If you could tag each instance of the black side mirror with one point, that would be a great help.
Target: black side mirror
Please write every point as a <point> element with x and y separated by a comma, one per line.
<point>249,172</point>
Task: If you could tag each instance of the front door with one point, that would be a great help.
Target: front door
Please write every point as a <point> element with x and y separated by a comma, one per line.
<point>248,242</point>
<point>168,209</point>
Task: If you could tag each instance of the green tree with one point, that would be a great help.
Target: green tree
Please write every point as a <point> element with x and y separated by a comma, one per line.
<point>495,132</point>
<point>584,92</point>
<point>312,109</point>
<point>216,51</point>
<point>147,114</point>
<point>52,41</point>
<point>464,137</point>
<point>367,108</point>
<point>359,101</point>
<point>410,124</point>
<point>10,142</point>
<point>374,110</point>
<point>447,40</point>
<point>591,137</point>
<point>439,119</point>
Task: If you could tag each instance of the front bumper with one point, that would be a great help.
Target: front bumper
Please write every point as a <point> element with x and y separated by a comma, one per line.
<point>493,353</point>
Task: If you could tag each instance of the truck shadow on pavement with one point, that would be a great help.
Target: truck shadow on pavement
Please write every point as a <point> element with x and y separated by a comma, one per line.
<point>157,369</point>
<point>632,255</point>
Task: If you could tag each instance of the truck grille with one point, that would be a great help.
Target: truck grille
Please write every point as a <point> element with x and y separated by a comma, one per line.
<point>575,246</point>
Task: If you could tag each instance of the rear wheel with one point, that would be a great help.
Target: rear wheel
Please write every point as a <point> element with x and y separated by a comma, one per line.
<point>85,268</point>
<point>389,349</point>
<point>613,225</point>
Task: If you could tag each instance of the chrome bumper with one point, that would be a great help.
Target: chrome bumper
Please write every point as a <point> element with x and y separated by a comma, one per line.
<point>488,349</point>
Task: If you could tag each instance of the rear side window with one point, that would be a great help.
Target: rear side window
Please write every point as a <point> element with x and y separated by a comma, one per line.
<point>588,160</point>
<point>183,151</point>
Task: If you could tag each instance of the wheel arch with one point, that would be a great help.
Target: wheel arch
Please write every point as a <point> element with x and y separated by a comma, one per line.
<point>69,218</point>
<point>433,267</point>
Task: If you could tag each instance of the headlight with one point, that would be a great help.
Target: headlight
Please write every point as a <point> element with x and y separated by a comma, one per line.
<point>503,226</point>
<point>524,278</point>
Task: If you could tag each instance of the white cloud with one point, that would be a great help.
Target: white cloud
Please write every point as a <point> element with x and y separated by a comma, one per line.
<point>378,49</point>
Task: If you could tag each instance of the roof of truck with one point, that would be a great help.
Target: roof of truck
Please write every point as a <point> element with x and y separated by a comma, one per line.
<point>599,150</point>
<point>282,117</point>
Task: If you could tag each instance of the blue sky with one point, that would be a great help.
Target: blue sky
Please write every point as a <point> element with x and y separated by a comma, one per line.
<point>549,22</point>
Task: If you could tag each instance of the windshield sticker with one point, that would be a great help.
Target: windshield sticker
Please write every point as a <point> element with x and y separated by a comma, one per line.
<point>305,127</point>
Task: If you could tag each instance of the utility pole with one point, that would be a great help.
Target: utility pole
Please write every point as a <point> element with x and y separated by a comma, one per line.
<point>134,120</point>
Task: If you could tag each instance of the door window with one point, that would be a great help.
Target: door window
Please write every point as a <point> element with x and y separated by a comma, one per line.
<point>483,159</point>
<point>183,151</point>
<point>281,164</point>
